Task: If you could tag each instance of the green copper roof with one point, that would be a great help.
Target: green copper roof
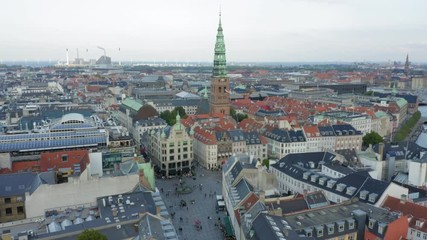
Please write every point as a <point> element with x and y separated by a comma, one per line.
<point>401,102</point>
<point>380,114</point>
<point>148,173</point>
<point>132,103</point>
<point>220,63</point>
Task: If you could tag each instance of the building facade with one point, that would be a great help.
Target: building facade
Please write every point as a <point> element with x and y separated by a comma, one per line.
<point>171,149</point>
<point>220,85</point>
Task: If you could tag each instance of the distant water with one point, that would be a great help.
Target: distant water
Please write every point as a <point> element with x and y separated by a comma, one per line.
<point>30,63</point>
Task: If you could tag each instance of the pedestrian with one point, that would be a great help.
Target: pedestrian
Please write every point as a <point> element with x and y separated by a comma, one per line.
<point>187,208</point>
<point>205,195</point>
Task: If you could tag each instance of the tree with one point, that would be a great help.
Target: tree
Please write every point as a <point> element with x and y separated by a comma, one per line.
<point>372,138</point>
<point>241,116</point>
<point>266,163</point>
<point>91,234</point>
<point>170,117</point>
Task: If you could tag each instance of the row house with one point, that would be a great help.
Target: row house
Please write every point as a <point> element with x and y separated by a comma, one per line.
<point>205,148</point>
<point>361,122</point>
<point>171,149</point>
<point>317,171</point>
<point>311,139</point>
<point>417,215</point>
<point>213,147</point>
<point>282,142</point>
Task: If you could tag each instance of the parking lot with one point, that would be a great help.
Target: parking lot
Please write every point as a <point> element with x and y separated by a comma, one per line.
<point>199,218</point>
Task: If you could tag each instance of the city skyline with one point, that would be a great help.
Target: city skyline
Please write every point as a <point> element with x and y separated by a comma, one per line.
<point>259,31</point>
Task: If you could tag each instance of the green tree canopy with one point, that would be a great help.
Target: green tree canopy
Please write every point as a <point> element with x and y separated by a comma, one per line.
<point>91,234</point>
<point>170,117</point>
<point>266,163</point>
<point>372,138</point>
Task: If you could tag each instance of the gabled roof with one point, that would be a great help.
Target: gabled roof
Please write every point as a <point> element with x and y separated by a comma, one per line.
<point>296,165</point>
<point>418,212</point>
<point>243,188</point>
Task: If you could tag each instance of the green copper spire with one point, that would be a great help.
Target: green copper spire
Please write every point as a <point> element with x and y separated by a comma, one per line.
<point>220,64</point>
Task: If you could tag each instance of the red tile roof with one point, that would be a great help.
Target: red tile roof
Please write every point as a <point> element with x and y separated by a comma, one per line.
<point>22,166</point>
<point>417,212</point>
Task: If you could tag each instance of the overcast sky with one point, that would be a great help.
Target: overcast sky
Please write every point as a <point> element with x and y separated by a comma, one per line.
<point>184,30</point>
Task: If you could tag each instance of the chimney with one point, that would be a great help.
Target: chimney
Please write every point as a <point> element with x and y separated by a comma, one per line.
<point>403,198</point>
<point>381,150</point>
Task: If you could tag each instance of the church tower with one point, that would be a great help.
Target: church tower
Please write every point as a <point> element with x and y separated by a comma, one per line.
<point>220,84</point>
<point>407,65</point>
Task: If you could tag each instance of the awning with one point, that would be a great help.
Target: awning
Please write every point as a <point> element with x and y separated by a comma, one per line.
<point>228,227</point>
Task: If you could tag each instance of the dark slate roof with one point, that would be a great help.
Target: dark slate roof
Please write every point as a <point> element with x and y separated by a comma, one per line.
<point>203,106</point>
<point>243,188</point>
<point>281,135</point>
<point>400,149</point>
<point>305,158</point>
<point>289,206</point>
<point>275,113</point>
<point>295,165</point>
<point>269,227</point>
<point>236,169</point>
<point>156,121</point>
<point>345,129</point>
<point>326,131</point>
<point>339,168</point>
<point>252,138</point>
<point>236,135</point>
<point>409,98</point>
<point>16,184</point>
<point>316,199</point>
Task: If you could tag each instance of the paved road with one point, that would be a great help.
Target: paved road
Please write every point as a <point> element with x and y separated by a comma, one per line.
<point>203,207</point>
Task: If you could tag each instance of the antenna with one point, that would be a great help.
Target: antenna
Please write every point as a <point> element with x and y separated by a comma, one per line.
<point>68,62</point>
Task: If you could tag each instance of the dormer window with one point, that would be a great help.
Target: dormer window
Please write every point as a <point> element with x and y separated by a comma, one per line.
<point>340,187</point>
<point>340,226</point>
<point>331,183</point>
<point>351,224</point>
<point>419,222</point>
<point>363,194</point>
<point>308,232</point>
<point>371,223</point>
<point>319,230</point>
<point>373,197</point>
<point>331,228</point>
<point>381,228</point>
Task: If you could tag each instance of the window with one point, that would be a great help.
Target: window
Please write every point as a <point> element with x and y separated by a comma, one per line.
<point>330,229</point>
<point>20,209</point>
<point>380,229</point>
<point>8,211</point>
<point>7,200</point>
<point>371,223</point>
<point>65,158</point>
<point>320,232</point>
<point>418,234</point>
<point>340,227</point>
<point>425,236</point>
<point>171,151</point>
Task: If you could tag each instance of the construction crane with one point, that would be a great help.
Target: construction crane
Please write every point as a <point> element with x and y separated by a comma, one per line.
<point>105,53</point>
